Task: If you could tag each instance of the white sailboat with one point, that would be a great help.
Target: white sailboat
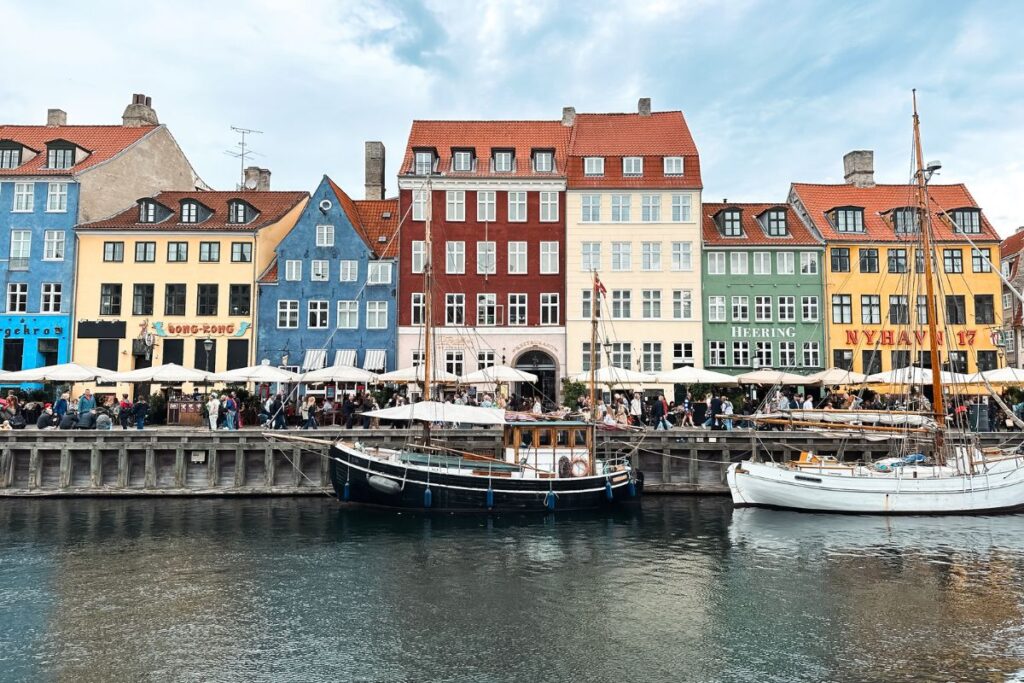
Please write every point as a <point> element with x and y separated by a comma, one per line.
<point>959,478</point>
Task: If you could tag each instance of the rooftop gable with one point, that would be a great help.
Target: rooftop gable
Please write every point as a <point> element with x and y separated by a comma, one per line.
<point>755,232</point>
<point>102,143</point>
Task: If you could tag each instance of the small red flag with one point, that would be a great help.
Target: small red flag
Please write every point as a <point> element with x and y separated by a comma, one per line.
<point>599,287</point>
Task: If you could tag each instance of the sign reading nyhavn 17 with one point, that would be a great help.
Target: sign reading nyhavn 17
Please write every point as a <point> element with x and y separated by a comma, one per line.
<point>908,337</point>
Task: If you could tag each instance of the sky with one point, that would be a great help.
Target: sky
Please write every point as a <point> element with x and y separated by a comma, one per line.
<point>774,92</point>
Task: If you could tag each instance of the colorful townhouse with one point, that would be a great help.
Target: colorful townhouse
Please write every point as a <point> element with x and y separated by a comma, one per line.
<point>874,282</point>
<point>1013,311</point>
<point>53,177</point>
<point>494,194</point>
<point>329,295</point>
<point>762,290</point>
<point>633,218</point>
<point>171,279</point>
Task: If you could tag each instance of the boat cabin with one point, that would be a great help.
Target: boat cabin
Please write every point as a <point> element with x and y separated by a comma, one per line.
<point>559,448</point>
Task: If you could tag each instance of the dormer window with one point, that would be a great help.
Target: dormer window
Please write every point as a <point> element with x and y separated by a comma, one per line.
<point>10,156</point>
<point>462,161</point>
<point>967,221</point>
<point>424,163</point>
<point>543,161</point>
<point>848,219</point>
<point>730,223</point>
<point>777,226</point>
<point>503,161</point>
<point>60,156</point>
<point>147,212</point>
<point>593,166</point>
<point>904,220</point>
<point>632,166</point>
<point>237,212</point>
<point>189,212</point>
<point>673,166</point>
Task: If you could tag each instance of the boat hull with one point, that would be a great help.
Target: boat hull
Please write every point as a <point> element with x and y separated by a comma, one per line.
<point>997,487</point>
<point>360,478</point>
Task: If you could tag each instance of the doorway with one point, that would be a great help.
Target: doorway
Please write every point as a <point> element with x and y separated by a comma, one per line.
<point>543,365</point>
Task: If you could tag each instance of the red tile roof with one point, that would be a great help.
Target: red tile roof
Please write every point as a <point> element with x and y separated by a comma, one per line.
<point>272,207</point>
<point>484,136</point>
<point>754,234</point>
<point>102,143</point>
<point>880,199</point>
<point>269,276</point>
<point>1012,244</point>
<point>372,219</point>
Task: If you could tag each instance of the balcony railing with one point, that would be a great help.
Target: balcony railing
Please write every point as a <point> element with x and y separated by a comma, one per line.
<point>18,263</point>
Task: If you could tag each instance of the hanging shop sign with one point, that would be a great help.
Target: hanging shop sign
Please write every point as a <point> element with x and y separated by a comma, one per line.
<point>205,329</point>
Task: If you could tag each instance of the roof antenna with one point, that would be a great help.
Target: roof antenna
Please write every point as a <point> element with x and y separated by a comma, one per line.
<point>243,152</point>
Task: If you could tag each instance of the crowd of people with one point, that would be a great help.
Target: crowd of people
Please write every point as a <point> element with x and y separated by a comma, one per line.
<point>84,412</point>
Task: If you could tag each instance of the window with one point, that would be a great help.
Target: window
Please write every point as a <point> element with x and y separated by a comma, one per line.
<point>785,263</point>
<point>548,207</point>
<point>650,208</point>
<point>682,355</point>
<point>145,252</point>
<point>241,252</point>
<point>590,256</point>
<point>586,303</point>
<point>419,252</point>
<point>177,252</point>
<point>682,256</point>
<point>812,354</point>
<point>620,354</point>
<point>454,362</point>
<point>681,208</point>
<point>984,309</point>
<point>842,359</point>
<point>503,162</point>
<point>849,219</point>
<point>417,309</point>
<point>24,197</point>
<point>967,220</point>
<point>871,362</point>
<point>147,212</point>
<point>348,315</point>
<point>777,223</point>
<point>899,310</point>
<point>981,260</point>
<point>621,256</point>
<point>113,252</point>
<point>731,224</point>
<point>424,163</point>
<point>787,354</point>
<point>209,252</point>
<point>716,309</point>
<point>419,205</point>
<point>517,258</point>
<point>485,206</point>
<point>808,263</point>
<point>60,157</point>
<point>376,315</point>
<point>869,260</point>
<point>673,165</point>
<point>650,357</point>
<point>622,301</point>
<point>763,309</point>
<point>650,256</point>
<point>632,166</point>
<point>741,353</point>
<point>517,309</point>
<point>293,270</point>
<point>593,166</point>
<point>319,270</point>
<point>516,207</point>
<point>840,260</point>
<point>762,263</point>
<point>738,263</point>
<point>10,157</point>
<point>716,353</point>
<point>620,208</point>
<point>716,263</point>
<point>549,309</point>
<point>548,258</point>
<point>17,299</point>
<point>842,309</point>
<point>904,221</point>
<point>898,261</point>
<point>484,360</point>
<point>53,245</point>
<point>740,308</point>
<point>57,197</point>
<point>486,309</point>
<point>919,261</point>
<point>237,212</point>
<point>922,310</point>
<point>110,298</point>
<point>378,273</point>
<point>207,301</point>
<point>953,260</point>
<point>239,299</point>
<point>325,235</point>
<point>987,360</point>
<point>1007,300</point>
<point>809,309</point>
<point>787,309</point>
<point>871,309</point>
<point>650,304</point>
<point>53,293</point>
<point>174,299</point>
<point>682,304</point>
<point>348,270</point>
<point>591,208</point>
<point>462,161</point>
<point>455,205</point>
<point>142,300</point>
<point>316,315</point>
<point>543,162</point>
<point>189,212</point>
<point>763,356</point>
<point>455,309</point>
<point>486,260</point>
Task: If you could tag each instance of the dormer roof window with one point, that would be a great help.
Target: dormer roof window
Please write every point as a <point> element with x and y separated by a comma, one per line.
<point>967,220</point>
<point>189,212</point>
<point>60,156</point>
<point>847,218</point>
<point>10,155</point>
<point>238,211</point>
<point>593,166</point>
<point>423,162</point>
<point>504,161</point>
<point>673,165</point>
<point>147,212</point>
<point>543,161</point>
<point>462,161</point>
<point>729,222</point>
<point>632,166</point>
<point>775,221</point>
<point>904,219</point>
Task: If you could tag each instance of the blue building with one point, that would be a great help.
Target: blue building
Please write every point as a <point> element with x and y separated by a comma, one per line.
<point>329,296</point>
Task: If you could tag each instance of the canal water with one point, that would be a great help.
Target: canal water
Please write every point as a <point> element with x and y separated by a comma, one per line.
<point>683,589</point>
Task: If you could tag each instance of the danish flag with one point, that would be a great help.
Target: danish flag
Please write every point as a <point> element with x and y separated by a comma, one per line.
<point>599,287</point>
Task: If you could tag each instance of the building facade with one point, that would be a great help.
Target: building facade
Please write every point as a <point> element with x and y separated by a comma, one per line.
<point>171,280</point>
<point>328,297</point>
<point>633,212</point>
<point>1013,314</point>
<point>51,178</point>
<point>762,290</point>
<point>495,195</point>
<point>874,282</point>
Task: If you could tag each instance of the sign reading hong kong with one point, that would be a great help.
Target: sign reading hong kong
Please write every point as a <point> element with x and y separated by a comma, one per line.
<point>918,337</point>
<point>163,329</point>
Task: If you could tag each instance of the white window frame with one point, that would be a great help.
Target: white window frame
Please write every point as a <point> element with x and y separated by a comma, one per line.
<point>459,156</point>
<point>21,244</point>
<point>593,166</point>
<point>681,204</point>
<point>812,354</point>
<point>486,257</point>
<point>485,206</point>
<point>455,257</point>
<point>650,208</point>
<point>590,208</point>
<point>650,256</point>
<point>717,354</point>
<point>417,309</point>
<point>739,264</point>
<point>420,201</point>
<point>51,297</point>
<point>549,309</point>
<point>549,258</point>
<point>764,356</point>
<point>590,256</point>
<point>376,315</point>
<point>682,304</point>
<point>787,309</point>
<point>518,301</point>
<point>419,256</point>
<point>741,354</point>
<point>423,163</point>
<point>319,270</point>
<point>455,205</point>
<point>621,206</point>
<point>54,244</point>
<point>586,302</point>
<point>787,354</point>
<point>378,273</point>
<point>516,206</point>
<point>717,310</point>
<point>486,309</point>
<point>504,162</point>
<point>673,166</point>
<point>650,304</point>
<point>810,309</point>
<point>548,207</point>
<point>325,235</point>
<point>348,314</point>
<point>17,293</point>
<point>682,256</point>
<point>289,308</point>
<point>348,270</point>
<point>547,167</point>
<point>633,167</point>
<point>455,303</point>
<point>57,198</point>
<point>650,357</point>
<point>716,263</point>
<point>622,257</point>
<point>740,309</point>
<point>785,263</point>
<point>292,270</point>
<point>808,263</point>
<point>24,198</point>
<point>622,304</point>
<point>763,309</point>
<point>321,309</point>
<point>517,258</point>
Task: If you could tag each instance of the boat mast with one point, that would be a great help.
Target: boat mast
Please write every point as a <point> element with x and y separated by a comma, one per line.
<point>428,308</point>
<point>594,304</point>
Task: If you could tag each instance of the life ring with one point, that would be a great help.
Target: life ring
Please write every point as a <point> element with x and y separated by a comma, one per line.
<point>580,467</point>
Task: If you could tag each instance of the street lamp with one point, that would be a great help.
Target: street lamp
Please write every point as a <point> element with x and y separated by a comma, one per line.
<point>208,346</point>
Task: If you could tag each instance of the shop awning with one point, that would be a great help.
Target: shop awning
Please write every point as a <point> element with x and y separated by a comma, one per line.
<point>345,357</point>
<point>315,359</point>
<point>375,359</point>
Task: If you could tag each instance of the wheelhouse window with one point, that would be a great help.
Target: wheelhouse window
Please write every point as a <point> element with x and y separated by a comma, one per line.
<point>504,161</point>
<point>848,219</point>
<point>543,161</point>
<point>730,223</point>
<point>777,226</point>
<point>60,156</point>
<point>189,212</point>
<point>967,221</point>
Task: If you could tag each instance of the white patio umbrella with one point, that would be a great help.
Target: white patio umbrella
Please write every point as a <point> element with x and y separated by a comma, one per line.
<point>695,376</point>
<point>609,374</point>
<point>264,372</point>
<point>498,374</point>
<point>999,376</point>
<point>415,374</point>
<point>171,373</point>
<point>831,377</point>
<point>767,376</point>
<point>435,411</point>
<point>338,373</point>
<point>914,375</point>
<point>65,372</point>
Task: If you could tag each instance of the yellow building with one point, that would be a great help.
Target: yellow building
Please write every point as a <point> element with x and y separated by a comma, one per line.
<point>874,265</point>
<point>171,280</point>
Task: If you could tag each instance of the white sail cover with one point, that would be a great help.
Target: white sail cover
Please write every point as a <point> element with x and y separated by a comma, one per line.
<point>435,411</point>
<point>609,374</point>
<point>65,372</point>
<point>170,373</point>
<point>496,374</point>
<point>871,417</point>
<point>695,376</point>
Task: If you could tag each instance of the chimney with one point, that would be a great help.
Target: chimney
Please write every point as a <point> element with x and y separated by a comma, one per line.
<point>374,171</point>
<point>568,116</point>
<point>140,112</point>
<point>252,178</point>
<point>643,107</point>
<point>859,168</point>
<point>263,184</point>
<point>56,117</point>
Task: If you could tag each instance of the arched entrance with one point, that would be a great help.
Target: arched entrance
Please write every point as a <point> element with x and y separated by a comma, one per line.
<point>543,365</point>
